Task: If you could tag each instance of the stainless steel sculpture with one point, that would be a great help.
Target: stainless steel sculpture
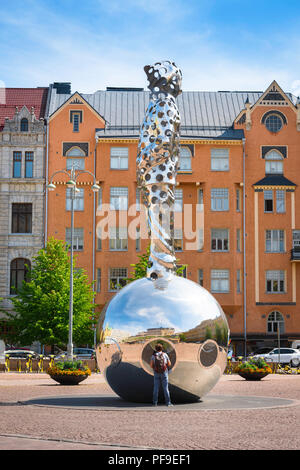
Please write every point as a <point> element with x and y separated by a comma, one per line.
<point>162,307</point>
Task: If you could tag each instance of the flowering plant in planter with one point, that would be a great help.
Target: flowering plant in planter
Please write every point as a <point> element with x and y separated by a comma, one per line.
<point>254,369</point>
<point>69,372</point>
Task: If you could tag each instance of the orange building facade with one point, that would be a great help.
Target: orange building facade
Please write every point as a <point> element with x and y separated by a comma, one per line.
<point>236,199</point>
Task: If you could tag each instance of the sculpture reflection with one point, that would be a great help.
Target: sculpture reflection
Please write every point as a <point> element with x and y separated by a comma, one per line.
<point>161,307</point>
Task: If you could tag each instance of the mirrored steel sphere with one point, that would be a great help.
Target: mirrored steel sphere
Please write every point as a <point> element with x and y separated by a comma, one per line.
<point>181,315</point>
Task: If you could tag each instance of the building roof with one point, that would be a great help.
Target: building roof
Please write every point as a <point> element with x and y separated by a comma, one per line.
<point>203,114</point>
<point>274,180</point>
<point>30,97</point>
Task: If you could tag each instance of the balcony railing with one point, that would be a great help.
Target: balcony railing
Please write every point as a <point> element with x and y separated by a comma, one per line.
<point>295,253</point>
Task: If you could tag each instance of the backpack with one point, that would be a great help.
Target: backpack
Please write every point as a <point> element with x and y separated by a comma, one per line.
<point>159,363</point>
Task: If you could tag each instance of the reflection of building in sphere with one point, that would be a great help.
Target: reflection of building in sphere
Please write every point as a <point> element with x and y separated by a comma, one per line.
<point>197,350</point>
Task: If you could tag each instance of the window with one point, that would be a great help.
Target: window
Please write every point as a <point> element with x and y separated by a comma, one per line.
<point>275,282</point>
<point>268,199</point>
<point>274,162</point>
<point>19,269</point>
<point>138,199</point>
<point>238,281</point>
<point>280,201</point>
<point>76,163</point>
<point>296,239</point>
<point>220,239</point>
<point>219,199</point>
<point>75,158</point>
<point>238,239</point>
<point>21,218</point>
<point>17,164</point>
<point>99,199</point>
<point>219,159</point>
<point>185,159</point>
<point>24,125</point>
<point>238,200</point>
<point>117,278</point>
<point>75,119</point>
<point>78,201</point>
<point>138,239</point>
<point>119,158</point>
<point>275,320</point>
<point>77,238</point>
<point>274,241</point>
<point>273,123</point>
<point>118,238</point>
<point>28,164</point>
<point>200,205</point>
<point>98,280</point>
<point>200,239</point>
<point>119,198</point>
<point>200,277</point>
<point>178,242</point>
<point>220,280</point>
<point>75,152</point>
<point>178,193</point>
<point>99,238</point>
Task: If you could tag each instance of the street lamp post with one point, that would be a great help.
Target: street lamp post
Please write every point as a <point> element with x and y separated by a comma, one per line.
<point>71,184</point>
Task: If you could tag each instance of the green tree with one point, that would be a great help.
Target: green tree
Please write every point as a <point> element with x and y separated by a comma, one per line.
<point>41,305</point>
<point>140,268</point>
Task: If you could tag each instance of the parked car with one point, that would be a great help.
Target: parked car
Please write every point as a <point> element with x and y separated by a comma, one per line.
<point>80,353</point>
<point>261,351</point>
<point>282,355</point>
<point>20,354</point>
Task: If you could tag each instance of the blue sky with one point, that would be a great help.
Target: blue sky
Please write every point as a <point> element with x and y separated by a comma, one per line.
<point>218,44</point>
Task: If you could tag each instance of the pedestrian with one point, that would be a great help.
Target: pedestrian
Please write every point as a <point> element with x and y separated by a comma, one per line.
<point>160,363</point>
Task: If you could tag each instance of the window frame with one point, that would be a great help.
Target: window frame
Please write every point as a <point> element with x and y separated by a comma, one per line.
<point>16,271</point>
<point>29,162</point>
<point>185,158</point>
<point>221,237</point>
<point>24,125</point>
<point>217,158</point>
<point>217,276</point>
<point>116,201</point>
<point>277,319</point>
<point>77,237</point>
<point>269,127</point>
<point>118,277</point>
<point>270,282</point>
<point>17,159</point>
<point>119,158</point>
<point>78,201</point>
<point>271,241</point>
<point>217,199</point>
<point>116,238</point>
<point>17,215</point>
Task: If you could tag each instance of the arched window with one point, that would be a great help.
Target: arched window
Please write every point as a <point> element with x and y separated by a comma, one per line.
<point>19,269</point>
<point>185,159</point>
<point>75,158</point>
<point>24,125</point>
<point>274,162</point>
<point>274,120</point>
<point>75,152</point>
<point>275,320</point>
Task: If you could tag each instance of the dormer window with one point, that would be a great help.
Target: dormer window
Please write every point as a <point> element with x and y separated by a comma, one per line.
<point>76,119</point>
<point>24,125</point>
<point>274,163</point>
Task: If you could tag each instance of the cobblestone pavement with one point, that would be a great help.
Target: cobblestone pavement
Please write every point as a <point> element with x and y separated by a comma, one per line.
<point>25,426</point>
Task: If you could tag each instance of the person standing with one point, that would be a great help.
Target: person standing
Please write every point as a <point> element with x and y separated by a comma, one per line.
<point>160,363</point>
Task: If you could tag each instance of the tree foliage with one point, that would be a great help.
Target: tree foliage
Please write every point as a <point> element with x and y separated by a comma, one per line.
<point>41,305</point>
